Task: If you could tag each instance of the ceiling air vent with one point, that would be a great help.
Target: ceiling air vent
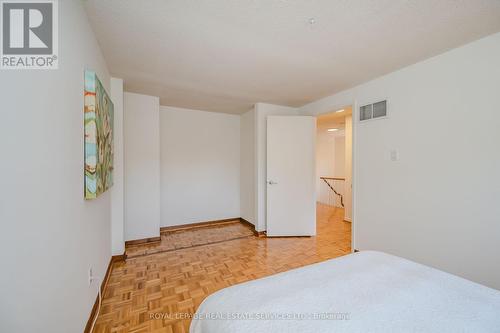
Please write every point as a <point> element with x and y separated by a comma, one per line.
<point>373,111</point>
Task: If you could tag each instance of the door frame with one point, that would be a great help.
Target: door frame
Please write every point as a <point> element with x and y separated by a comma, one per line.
<point>354,105</point>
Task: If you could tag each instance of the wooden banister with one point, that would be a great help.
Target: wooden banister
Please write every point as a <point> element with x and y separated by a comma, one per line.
<point>326,179</point>
<point>332,178</point>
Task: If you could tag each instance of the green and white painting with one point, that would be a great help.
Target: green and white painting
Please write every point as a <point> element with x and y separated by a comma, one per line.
<point>98,115</point>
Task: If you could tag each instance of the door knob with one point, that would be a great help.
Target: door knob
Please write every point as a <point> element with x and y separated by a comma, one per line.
<point>271,182</point>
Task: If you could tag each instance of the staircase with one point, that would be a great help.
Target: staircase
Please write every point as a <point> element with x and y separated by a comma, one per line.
<point>334,185</point>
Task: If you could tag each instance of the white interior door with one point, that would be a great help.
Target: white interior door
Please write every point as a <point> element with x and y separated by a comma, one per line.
<point>291,195</point>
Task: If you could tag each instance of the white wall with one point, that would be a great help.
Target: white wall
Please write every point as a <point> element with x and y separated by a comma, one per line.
<point>50,235</point>
<point>439,203</point>
<point>141,128</point>
<point>348,170</point>
<point>248,171</point>
<point>340,154</point>
<point>325,164</point>
<point>200,166</point>
<point>262,111</point>
<point>117,194</point>
<point>325,154</point>
<point>330,150</point>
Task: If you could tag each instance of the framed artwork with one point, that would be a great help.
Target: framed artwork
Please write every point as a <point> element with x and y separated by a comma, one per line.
<point>98,122</point>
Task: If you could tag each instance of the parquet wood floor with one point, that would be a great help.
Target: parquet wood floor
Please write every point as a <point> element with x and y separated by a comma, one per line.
<point>184,238</point>
<point>153,293</point>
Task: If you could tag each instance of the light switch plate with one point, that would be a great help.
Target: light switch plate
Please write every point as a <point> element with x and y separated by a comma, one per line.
<point>394,155</point>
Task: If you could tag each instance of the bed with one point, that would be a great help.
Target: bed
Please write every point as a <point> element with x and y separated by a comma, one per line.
<point>362,292</point>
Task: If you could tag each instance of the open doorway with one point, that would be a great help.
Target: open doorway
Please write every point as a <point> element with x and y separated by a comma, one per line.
<point>334,171</point>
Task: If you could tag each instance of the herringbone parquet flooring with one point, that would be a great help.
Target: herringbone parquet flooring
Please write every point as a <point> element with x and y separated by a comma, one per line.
<point>157,292</point>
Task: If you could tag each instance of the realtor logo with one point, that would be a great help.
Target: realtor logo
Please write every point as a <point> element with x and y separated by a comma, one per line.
<point>29,34</point>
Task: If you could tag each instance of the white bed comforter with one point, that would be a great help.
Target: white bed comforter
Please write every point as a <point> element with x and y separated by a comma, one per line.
<point>362,292</point>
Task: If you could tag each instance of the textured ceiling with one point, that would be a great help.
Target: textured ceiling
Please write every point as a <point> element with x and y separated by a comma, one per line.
<point>226,55</point>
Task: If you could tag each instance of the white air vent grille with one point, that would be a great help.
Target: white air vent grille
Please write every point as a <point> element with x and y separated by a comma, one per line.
<point>365,112</point>
<point>372,111</point>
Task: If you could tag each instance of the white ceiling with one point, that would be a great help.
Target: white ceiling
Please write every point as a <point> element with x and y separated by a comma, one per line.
<point>333,120</point>
<point>226,55</point>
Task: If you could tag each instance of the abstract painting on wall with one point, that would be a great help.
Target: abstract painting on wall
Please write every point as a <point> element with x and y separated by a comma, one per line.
<point>98,115</point>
